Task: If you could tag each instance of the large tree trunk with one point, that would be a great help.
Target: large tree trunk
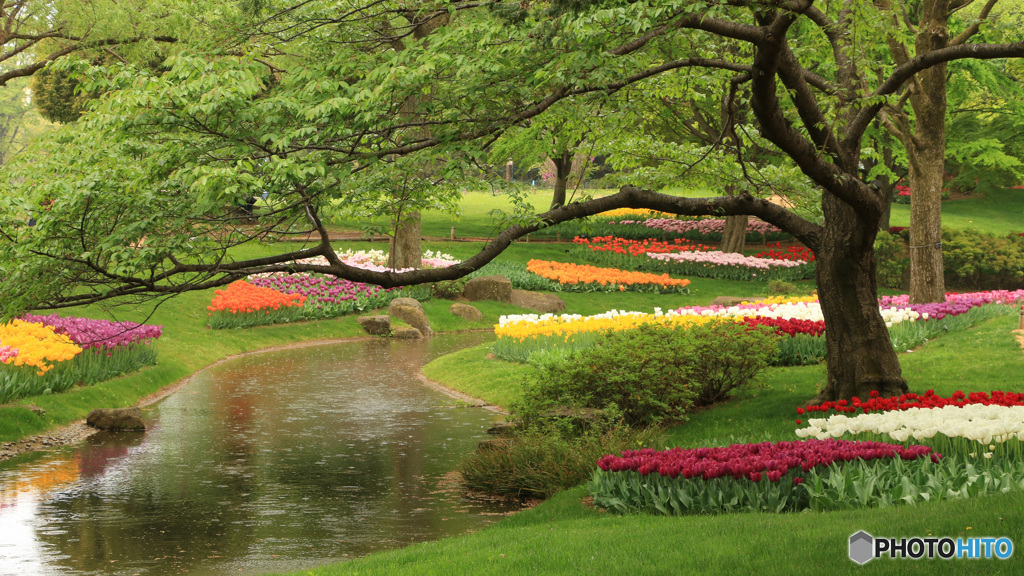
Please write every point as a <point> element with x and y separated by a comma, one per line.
<point>859,355</point>
<point>405,250</point>
<point>563,168</point>
<point>734,235</point>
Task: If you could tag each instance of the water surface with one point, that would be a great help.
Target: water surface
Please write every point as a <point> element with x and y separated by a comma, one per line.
<point>270,462</point>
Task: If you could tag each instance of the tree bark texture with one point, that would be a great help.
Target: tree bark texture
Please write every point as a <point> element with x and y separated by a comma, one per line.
<point>926,152</point>
<point>405,248</point>
<point>563,167</point>
<point>859,352</point>
<point>734,235</point>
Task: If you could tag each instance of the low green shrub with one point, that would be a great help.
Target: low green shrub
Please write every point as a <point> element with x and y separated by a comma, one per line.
<point>652,373</point>
<point>983,260</point>
<point>448,289</point>
<point>891,259</point>
<point>970,259</point>
<point>543,459</point>
<point>780,287</point>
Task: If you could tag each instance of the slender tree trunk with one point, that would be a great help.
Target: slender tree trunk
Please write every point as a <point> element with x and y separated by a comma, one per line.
<point>926,153</point>
<point>926,271</point>
<point>405,248</point>
<point>563,168</point>
<point>405,245</point>
<point>734,235</point>
<point>886,186</point>
<point>887,189</point>
<point>859,355</point>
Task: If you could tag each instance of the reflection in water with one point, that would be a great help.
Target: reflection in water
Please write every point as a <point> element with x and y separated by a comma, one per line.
<point>270,462</point>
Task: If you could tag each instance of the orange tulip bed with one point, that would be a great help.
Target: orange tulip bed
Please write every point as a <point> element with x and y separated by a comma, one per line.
<point>584,278</point>
<point>242,304</point>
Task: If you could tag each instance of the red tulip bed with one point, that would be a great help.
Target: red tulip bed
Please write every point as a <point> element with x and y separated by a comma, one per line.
<point>790,476</point>
<point>682,258</point>
<point>795,253</point>
<point>929,399</point>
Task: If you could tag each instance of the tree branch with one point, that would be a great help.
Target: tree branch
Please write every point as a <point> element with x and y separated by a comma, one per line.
<point>628,197</point>
<point>905,72</point>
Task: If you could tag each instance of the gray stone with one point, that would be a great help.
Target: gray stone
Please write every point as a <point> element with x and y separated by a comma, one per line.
<point>406,333</point>
<point>501,428</point>
<point>732,300</point>
<point>116,419</point>
<point>466,311</point>
<point>543,303</point>
<point>379,325</point>
<point>410,311</point>
<point>497,288</point>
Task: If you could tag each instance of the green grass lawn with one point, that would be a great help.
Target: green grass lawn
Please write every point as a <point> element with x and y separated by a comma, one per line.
<point>475,220</point>
<point>564,536</point>
<point>999,212</point>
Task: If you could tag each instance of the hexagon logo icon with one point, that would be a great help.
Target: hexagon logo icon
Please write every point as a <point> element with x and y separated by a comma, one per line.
<point>862,547</point>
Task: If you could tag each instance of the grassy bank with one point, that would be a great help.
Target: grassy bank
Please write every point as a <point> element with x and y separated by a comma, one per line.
<point>562,535</point>
<point>187,346</point>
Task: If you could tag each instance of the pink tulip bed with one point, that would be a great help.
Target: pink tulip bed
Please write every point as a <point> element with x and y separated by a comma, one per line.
<point>328,297</point>
<point>790,476</point>
<point>802,325</point>
<point>663,227</point>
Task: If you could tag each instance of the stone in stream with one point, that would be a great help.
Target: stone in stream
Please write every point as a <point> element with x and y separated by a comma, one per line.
<point>501,428</point>
<point>497,288</point>
<point>379,325</point>
<point>116,419</point>
<point>410,311</point>
<point>466,311</point>
<point>406,333</point>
